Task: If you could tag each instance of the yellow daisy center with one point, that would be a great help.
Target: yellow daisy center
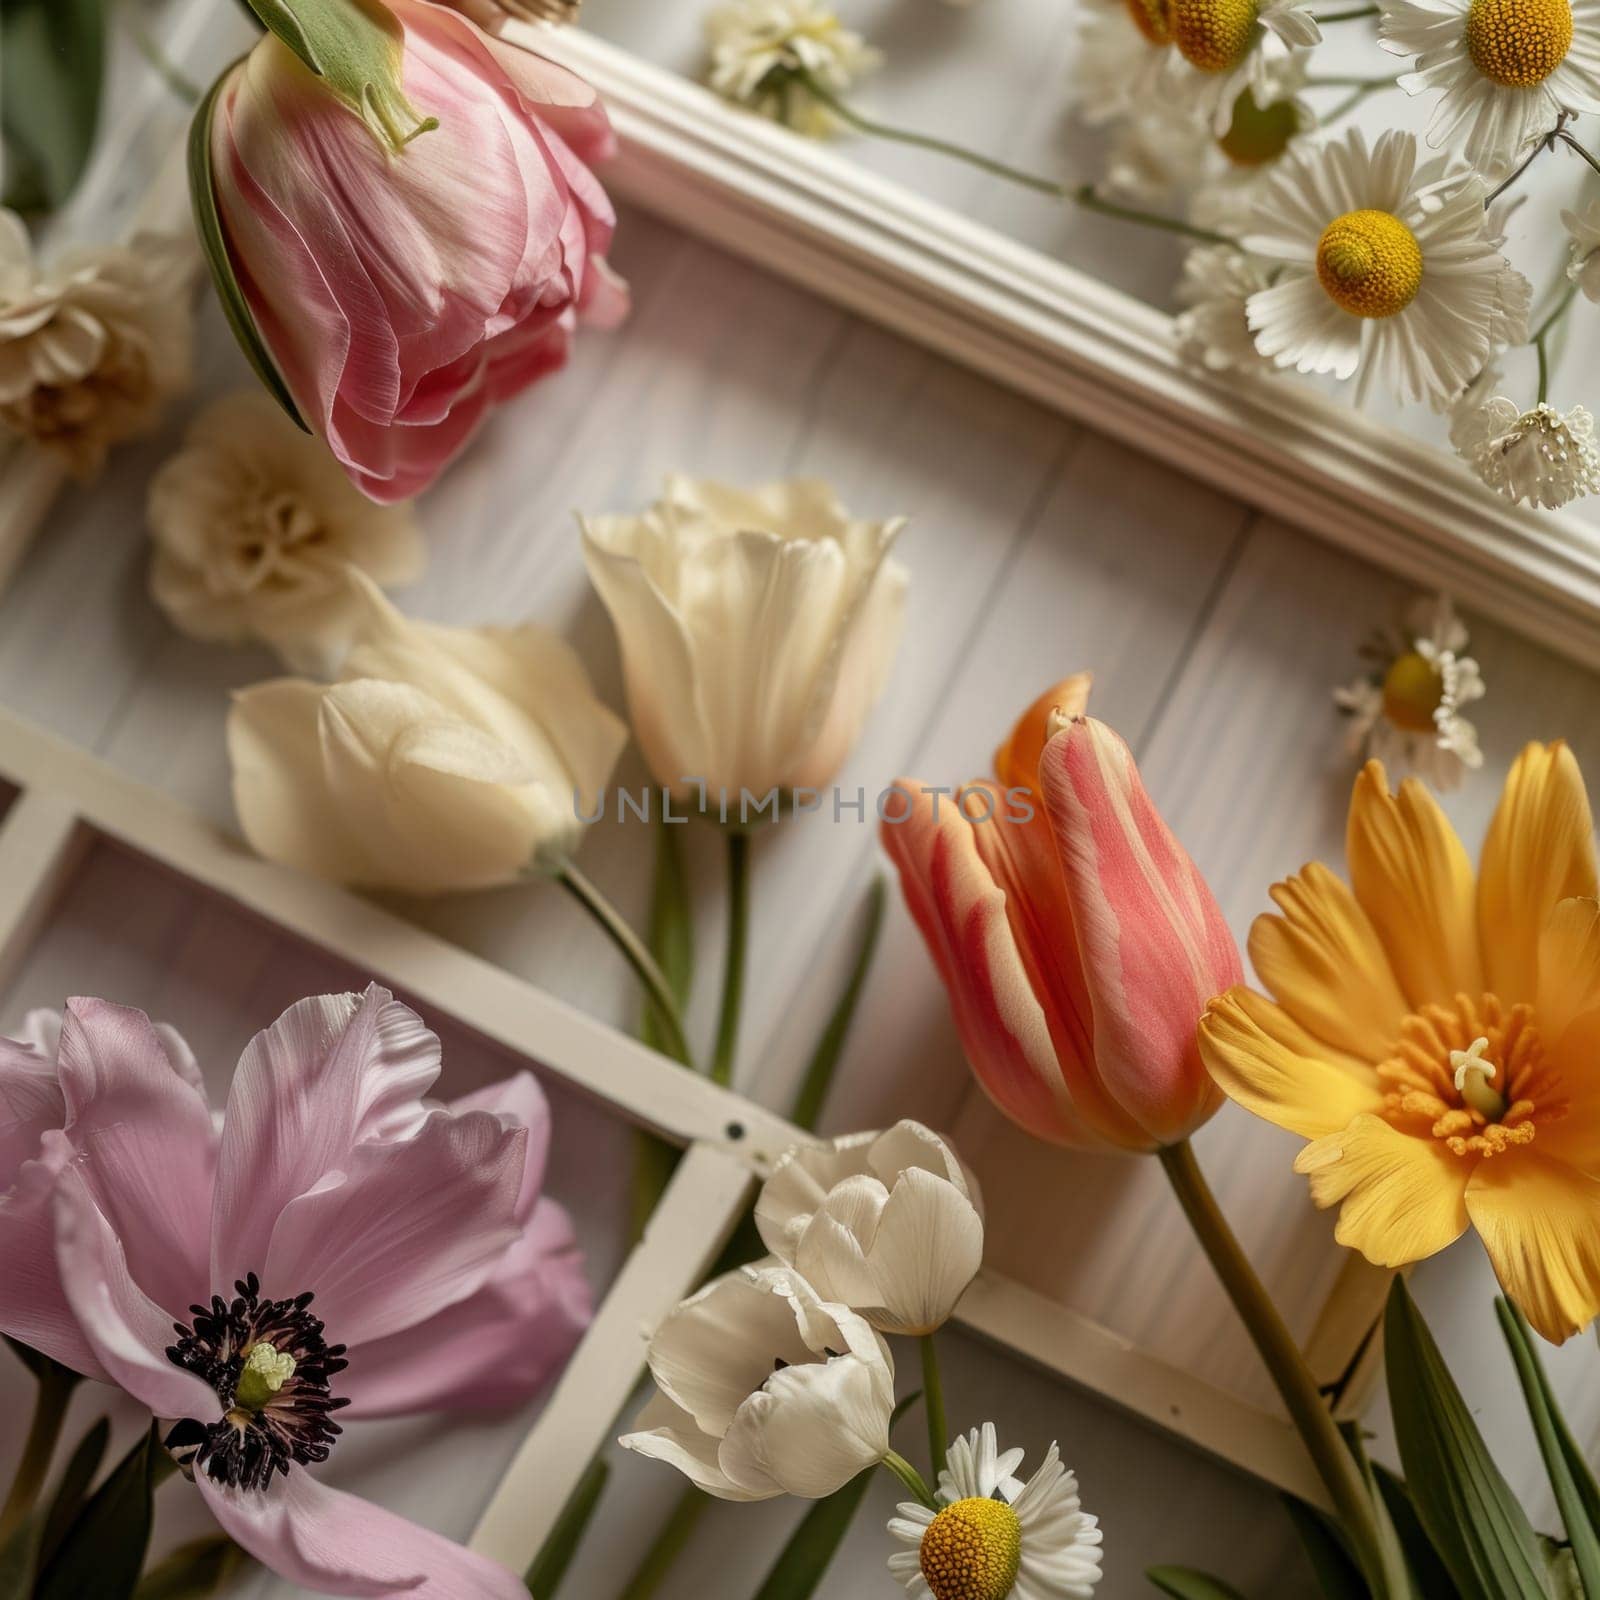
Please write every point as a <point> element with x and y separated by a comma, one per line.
<point>1150,18</point>
<point>1259,134</point>
<point>972,1551</point>
<point>1369,263</point>
<point>1473,1075</point>
<point>1213,35</point>
<point>1518,43</point>
<point>1412,690</point>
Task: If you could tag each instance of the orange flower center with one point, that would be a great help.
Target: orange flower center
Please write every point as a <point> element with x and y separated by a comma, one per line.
<point>1472,1074</point>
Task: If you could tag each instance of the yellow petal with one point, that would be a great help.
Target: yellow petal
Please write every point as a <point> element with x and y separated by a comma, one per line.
<point>1016,762</point>
<point>1539,851</point>
<point>1413,879</point>
<point>1323,962</point>
<point>1261,1057</point>
<point>1402,1197</point>
<point>1569,968</point>
<point>1540,1222</point>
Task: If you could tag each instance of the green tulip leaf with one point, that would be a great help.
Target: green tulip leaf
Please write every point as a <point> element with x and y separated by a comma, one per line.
<point>19,1558</point>
<point>355,47</point>
<point>52,62</point>
<point>1431,1580</point>
<point>561,1543</point>
<point>1337,1575</point>
<point>104,1552</point>
<point>1569,1474</point>
<point>1471,1517</point>
<point>73,1488</point>
<point>1184,1583</point>
<point>208,224</point>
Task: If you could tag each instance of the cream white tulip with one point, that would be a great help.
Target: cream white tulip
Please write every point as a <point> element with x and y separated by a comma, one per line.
<point>889,1224</point>
<point>442,758</point>
<point>764,1389</point>
<point>757,629</point>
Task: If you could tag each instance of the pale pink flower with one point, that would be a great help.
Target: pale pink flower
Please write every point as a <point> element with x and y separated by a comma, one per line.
<point>402,293</point>
<point>333,1247</point>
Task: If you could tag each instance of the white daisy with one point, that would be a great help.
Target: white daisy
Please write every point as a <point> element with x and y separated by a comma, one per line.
<point>1157,152</point>
<point>1406,711</point>
<point>1214,331</point>
<point>1385,267</point>
<point>1584,267</point>
<point>762,51</point>
<point>995,1536</point>
<point>1124,53</point>
<point>1261,132</point>
<point>1544,456</point>
<point>1505,68</point>
<point>1234,45</point>
<point>1463,407</point>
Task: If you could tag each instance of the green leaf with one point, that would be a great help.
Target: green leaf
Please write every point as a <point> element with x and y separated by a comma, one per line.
<point>355,47</point>
<point>1482,1535</point>
<point>208,224</point>
<point>19,1557</point>
<point>1337,1575</point>
<point>1427,1570</point>
<point>193,1570</point>
<point>1569,1473</point>
<point>104,1553</point>
<point>52,61</point>
<point>561,1543</point>
<point>814,1086</point>
<point>1391,1548</point>
<point>74,1486</point>
<point>1184,1583</point>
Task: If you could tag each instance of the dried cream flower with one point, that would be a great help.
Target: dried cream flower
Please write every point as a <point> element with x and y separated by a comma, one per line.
<point>762,51</point>
<point>256,527</point>
<point>1544,456</point>
<point>91,350</point>
<point>1584,267</point>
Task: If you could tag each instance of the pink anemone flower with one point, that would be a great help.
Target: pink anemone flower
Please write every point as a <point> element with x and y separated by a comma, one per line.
<point>332,1247</point>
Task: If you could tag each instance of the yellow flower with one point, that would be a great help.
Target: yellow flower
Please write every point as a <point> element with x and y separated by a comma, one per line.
<point>1437,1038</point>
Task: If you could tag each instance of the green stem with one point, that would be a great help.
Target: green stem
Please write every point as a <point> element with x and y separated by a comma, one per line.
<point>1285,1364</point>
<point>925,141</point>
<point>44,1431</point>
<point>1572,144</point>
<point>1544,368</point>
<point>727,1045</point>
<point>911,1478</point>
<point>649,1575</point>
<point>1541,336</point>
<point>1355,98</point>
<point>633,952</point>
<point>1347,80</point>
<point>1354,14</point>
<point>933,1404</point>
<point>181,86</point>
<point>1086,197</point>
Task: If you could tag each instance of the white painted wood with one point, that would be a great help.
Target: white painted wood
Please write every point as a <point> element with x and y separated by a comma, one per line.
<point>41,844</point>
<point>1083,347</point>
<point>702,1205</point>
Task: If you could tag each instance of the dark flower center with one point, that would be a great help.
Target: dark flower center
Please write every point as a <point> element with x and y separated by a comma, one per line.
<point>270,1366</point>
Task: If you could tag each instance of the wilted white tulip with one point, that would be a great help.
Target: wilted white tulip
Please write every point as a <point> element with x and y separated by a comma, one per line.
<point>889,1224</point>
<point>763,1389</point>
<point>757,629</point>
<point>442,758</point>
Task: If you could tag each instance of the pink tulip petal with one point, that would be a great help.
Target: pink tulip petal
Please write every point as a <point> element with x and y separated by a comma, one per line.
<point>962,914</point>
<point>30,1105</point>
<point>128,1332</point>
<point>334,1543</point>
<point>146,1146</point>
<point>33,1304</point>
<point>1154,942</point>
<point>332,1071</point>
<point>520,1103</point>
<point>493,1350</point>
<point>407,1228</point>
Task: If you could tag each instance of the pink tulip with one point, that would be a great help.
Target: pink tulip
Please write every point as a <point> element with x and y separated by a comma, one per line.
<point>1078,942</point>
<point>402,293</point>
<point>335,1247</point>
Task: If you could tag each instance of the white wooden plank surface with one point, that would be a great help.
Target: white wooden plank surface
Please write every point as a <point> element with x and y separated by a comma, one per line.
<point>1035,550</point>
